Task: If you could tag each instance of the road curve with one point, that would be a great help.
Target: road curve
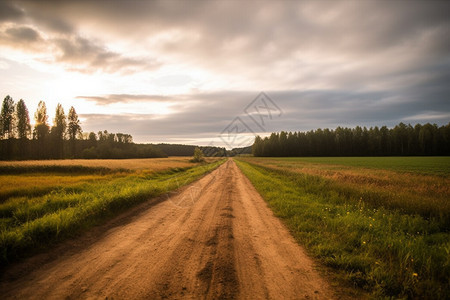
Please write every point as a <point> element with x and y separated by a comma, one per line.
<point>215,239</point>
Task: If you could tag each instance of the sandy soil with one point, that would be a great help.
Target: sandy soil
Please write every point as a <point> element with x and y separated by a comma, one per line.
<point>215,239</point>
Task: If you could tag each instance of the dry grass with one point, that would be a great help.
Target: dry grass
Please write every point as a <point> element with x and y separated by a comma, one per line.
<point>37,183</point>
<point>401,189</point>
<point>149,164</point>
<point>14,184</point>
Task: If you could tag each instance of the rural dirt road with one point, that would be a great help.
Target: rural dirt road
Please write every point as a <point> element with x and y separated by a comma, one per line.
<point>215,239</point>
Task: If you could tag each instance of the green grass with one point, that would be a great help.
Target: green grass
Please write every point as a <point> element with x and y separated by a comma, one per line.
<point>410,192</point>
<point>388,251</point>
<point>32,221</point>
<point>432,165</point>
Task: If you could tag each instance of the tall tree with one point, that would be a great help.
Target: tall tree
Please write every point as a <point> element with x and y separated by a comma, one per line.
<point>7,118</point>
<point>257,147</point>
<point>23,129</point>
<point>73,127</point>
<point>92,137</point>
<point>41,127</point>
<point>59,130</point>
<point>59,122</point>
<point>23,120</point>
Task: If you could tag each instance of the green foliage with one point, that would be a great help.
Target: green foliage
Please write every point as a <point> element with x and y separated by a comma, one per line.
<point>41,118</point>
<point>7,118</point>
<point>58,132</point>
<point>30,222</point>
<point>188,150</point>
<point>198,156</point>
<point>59,123</point>
<point>73,129</point>
<point>47,144</point>
<point>52,144</point>
<point>23,120</point>
<point>388,252</point>
<point>73,124</point>
<point>401,140</point>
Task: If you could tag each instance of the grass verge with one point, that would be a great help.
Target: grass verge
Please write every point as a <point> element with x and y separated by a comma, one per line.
<point>385,251</point>
<point>31,222</point>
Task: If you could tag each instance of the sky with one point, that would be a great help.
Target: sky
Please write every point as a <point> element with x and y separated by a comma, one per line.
<point>219,72</point>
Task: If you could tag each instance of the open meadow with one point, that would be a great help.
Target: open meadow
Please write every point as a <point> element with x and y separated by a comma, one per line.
<point>45,201</point>
<point>381,223</point>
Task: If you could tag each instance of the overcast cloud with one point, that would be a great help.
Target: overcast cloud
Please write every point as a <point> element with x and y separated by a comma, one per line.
<point>181,71</point>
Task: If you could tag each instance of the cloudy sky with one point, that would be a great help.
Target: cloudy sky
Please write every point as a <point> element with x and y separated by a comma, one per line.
<point>192,71</point>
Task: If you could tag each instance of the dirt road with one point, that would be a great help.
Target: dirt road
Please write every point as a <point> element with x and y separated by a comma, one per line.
<point>215,239</point>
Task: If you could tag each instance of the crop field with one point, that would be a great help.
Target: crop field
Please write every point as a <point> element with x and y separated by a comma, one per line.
<point>381,223</point>
<point>45,201</point>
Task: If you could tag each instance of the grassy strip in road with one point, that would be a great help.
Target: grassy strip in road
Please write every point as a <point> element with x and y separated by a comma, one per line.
<point>32,222</point>
<point>384,251</point>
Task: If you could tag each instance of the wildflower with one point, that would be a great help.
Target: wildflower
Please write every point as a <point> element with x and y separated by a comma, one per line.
<point>415,274</point>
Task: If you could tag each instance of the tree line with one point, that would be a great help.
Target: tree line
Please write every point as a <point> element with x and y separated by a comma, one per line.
<point>188,150</point>
<point>66,139</point>
<point>63,139</point>
<point>402,140</point>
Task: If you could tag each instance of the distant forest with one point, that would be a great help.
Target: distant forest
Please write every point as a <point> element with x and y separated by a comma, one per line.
<point>402,140</point>
<point>188,150</point>
<point>65,138</point>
